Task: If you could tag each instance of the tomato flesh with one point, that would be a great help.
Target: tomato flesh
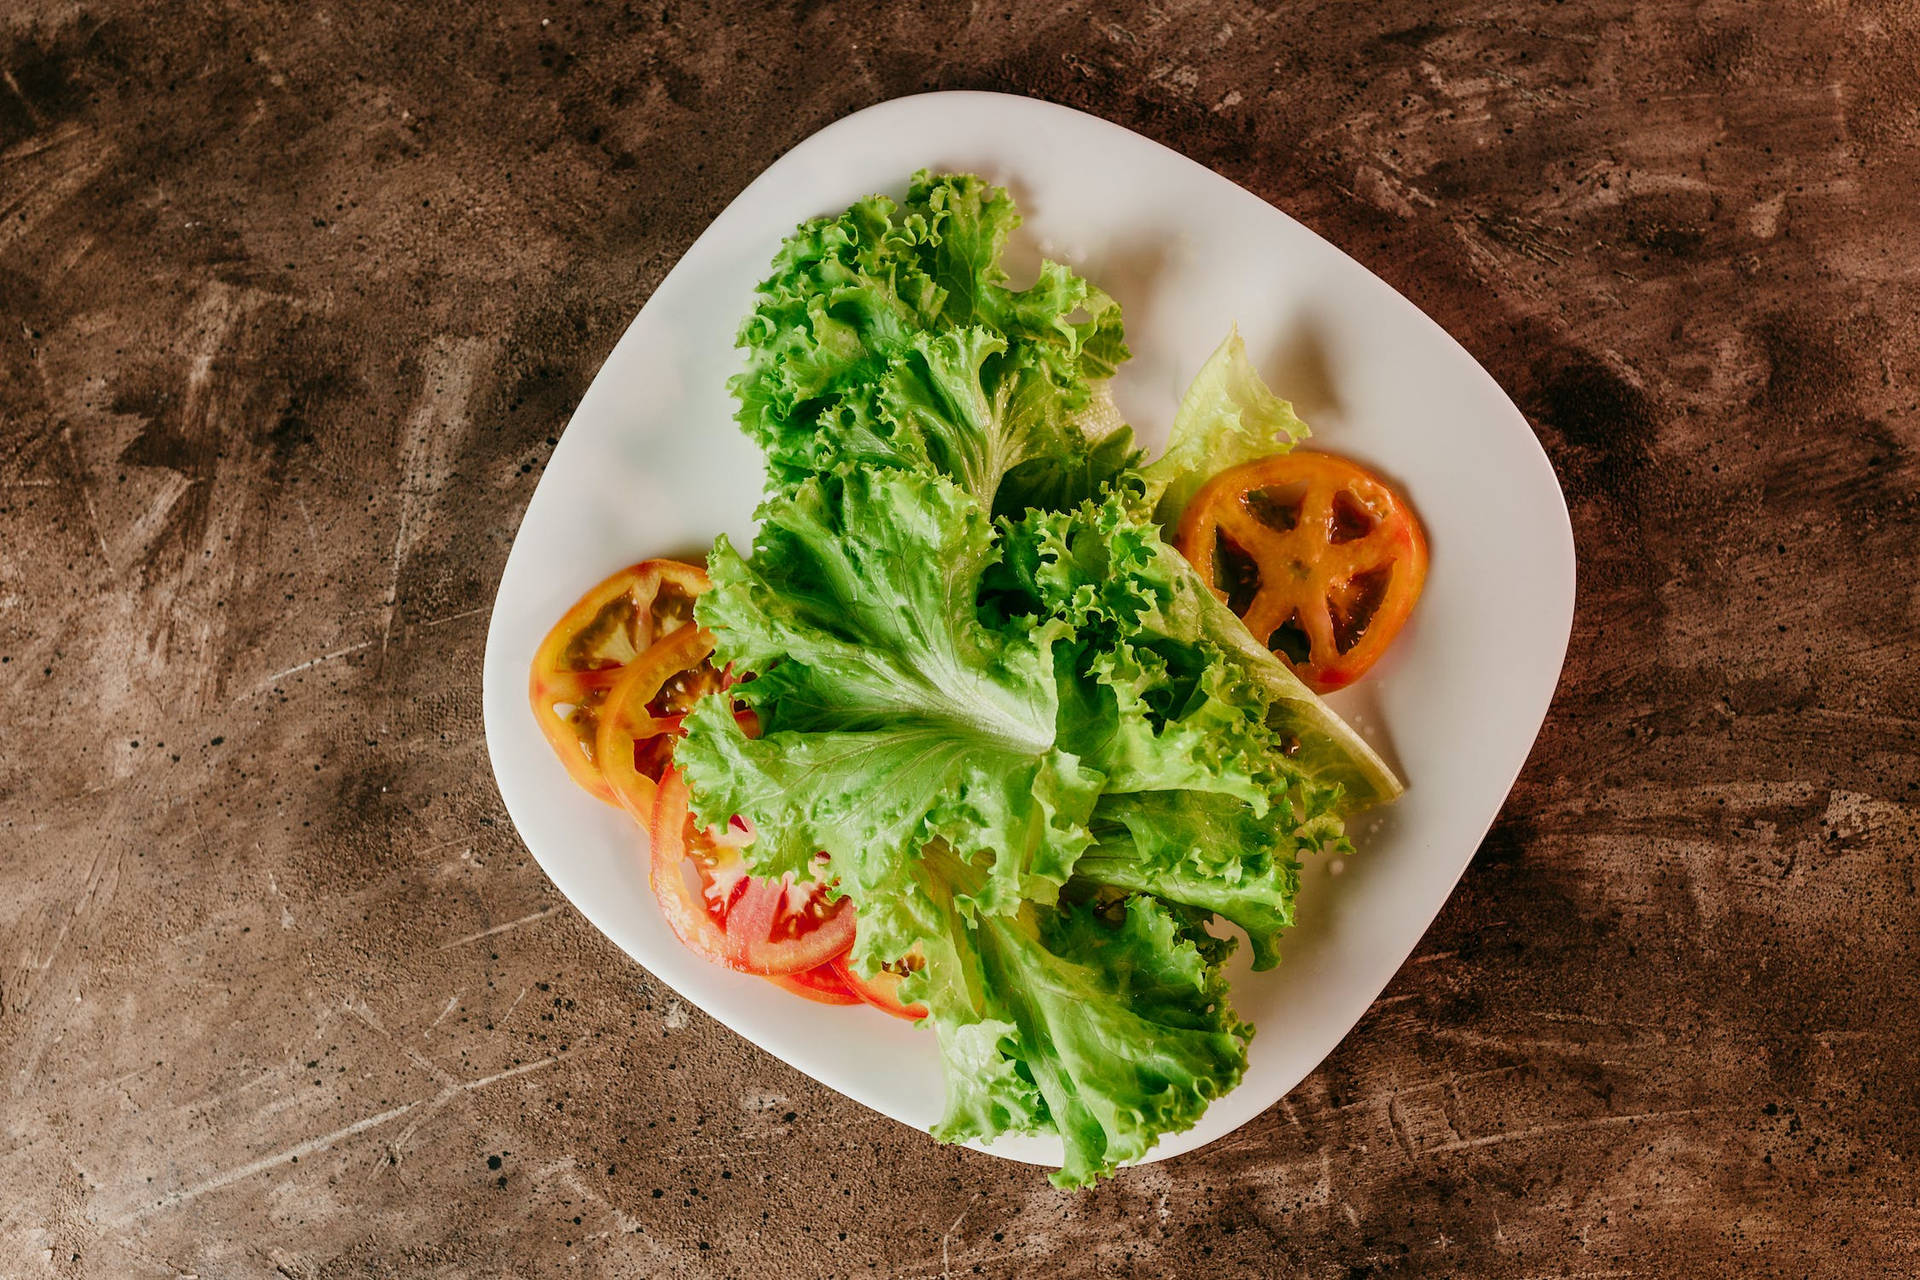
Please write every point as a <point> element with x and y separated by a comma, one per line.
<point>610,687</point>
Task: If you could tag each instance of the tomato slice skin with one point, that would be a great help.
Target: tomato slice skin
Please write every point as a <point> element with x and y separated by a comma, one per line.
<point>687,912</point>
<point>590,647</point>
<point>882,991</point>
<point>754,925</point>
<point>822,983</point>
<point>1320,572</point>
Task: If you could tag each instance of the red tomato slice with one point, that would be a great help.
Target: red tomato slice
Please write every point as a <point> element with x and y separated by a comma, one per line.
<point>727,915</point>
<point>882,991</point>
<point>822,983</point>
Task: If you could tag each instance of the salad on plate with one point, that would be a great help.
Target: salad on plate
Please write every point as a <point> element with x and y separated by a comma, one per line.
<point>997,725</point>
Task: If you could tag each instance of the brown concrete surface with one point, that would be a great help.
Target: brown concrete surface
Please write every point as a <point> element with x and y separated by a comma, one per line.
<point>294,301</point>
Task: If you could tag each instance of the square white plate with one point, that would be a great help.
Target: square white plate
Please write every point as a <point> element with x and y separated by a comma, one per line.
<point>652,464</point>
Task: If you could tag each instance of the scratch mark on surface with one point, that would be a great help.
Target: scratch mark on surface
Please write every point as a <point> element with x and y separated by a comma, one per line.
<point>38,119</point>
<point>1453,1107</point>
<point>966,1259</point>
<point>1516,1045</point>
<point>82,246</point>
<point>39,200</point>
<point>35,996</point>
<point>453,1002</point>
<point>718,1153</point>
<point>93,514</point>
<point>1583,1019</point>
<point>273,889</point>
<point>298,667</point>
<point>436,420</point>
<point>450,1090</point>
<point>135,538</point>
<point>946,1266</point>
<point>1577,1126</point>
<point>34,145</point>
<point>265,1163</point>
<point>431,849</point>
<point>363,1013</point>
<point>541,914</point>
<point>431,1067</point>
<point>498,1076</point>
<point>313,535</point>
<point>452,617</point>
<point>1397,1124</point>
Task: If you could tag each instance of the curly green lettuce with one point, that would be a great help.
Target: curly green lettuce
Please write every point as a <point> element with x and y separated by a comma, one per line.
<point>1039,753</point>
<point>1227,417</point>
<point>888,337</point>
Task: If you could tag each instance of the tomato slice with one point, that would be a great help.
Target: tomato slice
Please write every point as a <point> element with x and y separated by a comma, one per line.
<point>882,991</point>
<point>642,714</point>
<point>675,842</point>
<point>588,650</point>
<point>724,913</point>
<point>822,983</point>
<point>1320,557</point>
<point>611,685</point>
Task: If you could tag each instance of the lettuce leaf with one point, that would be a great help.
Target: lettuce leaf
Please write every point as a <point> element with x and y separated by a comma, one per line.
<point>1227,417</point>
<point>1112,1021</point>
<point>1179,694</point>
<point>1208,852</point>
<point>888,337</point>
<point>1103,1020</point>
<point>890,715</point>
<point>978,409</point>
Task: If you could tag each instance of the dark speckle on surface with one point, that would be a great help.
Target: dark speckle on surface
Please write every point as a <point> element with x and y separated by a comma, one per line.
<point>294,304</point>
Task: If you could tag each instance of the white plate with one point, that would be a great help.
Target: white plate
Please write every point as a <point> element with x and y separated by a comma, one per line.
<point>652,464</point>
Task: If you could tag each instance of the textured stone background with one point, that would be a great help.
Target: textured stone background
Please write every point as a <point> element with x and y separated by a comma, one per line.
<point>294,300</point>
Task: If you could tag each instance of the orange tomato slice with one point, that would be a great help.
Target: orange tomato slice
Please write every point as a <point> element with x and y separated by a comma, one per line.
<point>642,714</point>
<point>1321,558</point>
<point>588,650</point>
